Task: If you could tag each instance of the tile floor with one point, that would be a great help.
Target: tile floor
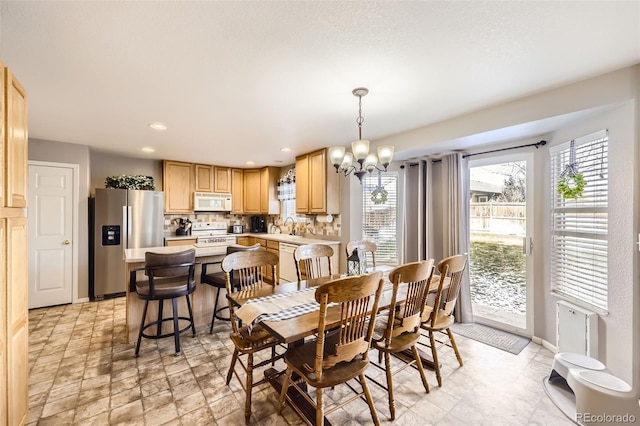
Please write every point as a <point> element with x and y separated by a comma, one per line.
<point>83,373</point>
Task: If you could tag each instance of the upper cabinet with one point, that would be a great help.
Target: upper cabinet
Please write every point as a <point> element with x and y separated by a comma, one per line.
<point>317,184</point>
<point>212,178</point>
<point>178,185</point>
<point>204,178</point>
<point>251,191</point>
<point>269,203</point>
<point>237,191</point>
<point>222,179</point>
<point>14,236</point>
<point>260,191</point>
<point>15,150</point>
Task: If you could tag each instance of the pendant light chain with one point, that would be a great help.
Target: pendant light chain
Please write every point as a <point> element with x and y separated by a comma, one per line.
<point>359,120</point>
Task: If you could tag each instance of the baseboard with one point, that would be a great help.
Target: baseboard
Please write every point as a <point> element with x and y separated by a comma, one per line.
<point>549,346</point>
<point>83,300</point>
<point>537,340</point>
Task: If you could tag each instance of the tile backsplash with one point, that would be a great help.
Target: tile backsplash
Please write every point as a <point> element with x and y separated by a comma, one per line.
<point>310,227</point>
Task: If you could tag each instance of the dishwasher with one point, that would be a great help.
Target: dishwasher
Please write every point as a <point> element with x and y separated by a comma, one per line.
<point>287,263</point>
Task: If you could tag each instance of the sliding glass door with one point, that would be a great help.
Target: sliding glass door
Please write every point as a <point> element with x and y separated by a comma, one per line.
<point>500,244</point>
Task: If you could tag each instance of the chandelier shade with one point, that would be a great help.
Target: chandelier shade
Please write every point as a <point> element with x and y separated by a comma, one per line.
<point>365,161</point>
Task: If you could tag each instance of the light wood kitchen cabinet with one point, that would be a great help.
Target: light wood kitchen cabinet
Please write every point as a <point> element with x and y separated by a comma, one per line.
<point>261,191</point>
<point>269,203</point>
<point>16,154</point>
<point>3,329</point>
<point>222,179</point>
<point>183,242</point>
<point>302,184</point>
<point>252,190</point>
<point>317,184</point>
<point>273,247</point>
<point>14,314</point>
<point>237,191</point>
<point>244,241</point>
<point>178,185</point>
<point>17,321</point>
<point>204,178</point>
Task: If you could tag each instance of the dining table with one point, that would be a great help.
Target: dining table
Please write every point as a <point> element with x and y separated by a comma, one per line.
<point>292,330</point>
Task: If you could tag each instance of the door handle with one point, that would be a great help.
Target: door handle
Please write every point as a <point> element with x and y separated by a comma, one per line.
<point>66,242</point>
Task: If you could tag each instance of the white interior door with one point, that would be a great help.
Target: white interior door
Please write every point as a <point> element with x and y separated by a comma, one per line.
<point>51,235</point>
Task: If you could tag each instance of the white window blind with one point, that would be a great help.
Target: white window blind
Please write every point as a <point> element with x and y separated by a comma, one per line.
<point>579,225</point>
<point>379,221</point>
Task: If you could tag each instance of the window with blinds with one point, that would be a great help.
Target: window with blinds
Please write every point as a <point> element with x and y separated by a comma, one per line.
<point>379,221</point>
<point>579,225</point>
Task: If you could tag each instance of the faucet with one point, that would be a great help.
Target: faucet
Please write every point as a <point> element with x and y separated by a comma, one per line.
<point>293,225</point>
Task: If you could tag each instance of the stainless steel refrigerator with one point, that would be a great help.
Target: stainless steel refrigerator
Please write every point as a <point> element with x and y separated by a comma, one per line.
<point>122,219</point>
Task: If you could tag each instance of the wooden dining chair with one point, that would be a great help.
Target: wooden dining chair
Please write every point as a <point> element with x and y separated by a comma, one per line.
<point>400,330</point>
<point>439,314</point>
<point>218,280</point>
<point>342,355</point>
<point>309,261</point>
<point>368,248</point>
<point>250,270</point>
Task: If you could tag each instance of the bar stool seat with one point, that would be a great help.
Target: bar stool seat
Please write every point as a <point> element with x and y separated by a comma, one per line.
<point>170,276</point>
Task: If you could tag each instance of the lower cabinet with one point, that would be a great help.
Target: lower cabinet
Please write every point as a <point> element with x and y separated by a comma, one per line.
<point>17,319</point>
<point>183,242</point>
<point>273,247</point>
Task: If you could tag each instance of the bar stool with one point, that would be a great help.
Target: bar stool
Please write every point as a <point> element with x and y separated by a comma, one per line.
<point>217,280</point>
<point>170,276</point>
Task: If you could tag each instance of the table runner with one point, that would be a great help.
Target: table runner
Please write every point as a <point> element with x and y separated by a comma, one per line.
<point>278,307</point>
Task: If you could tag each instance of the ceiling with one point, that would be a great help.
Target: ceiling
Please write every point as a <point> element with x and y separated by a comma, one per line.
<point>237,81</point>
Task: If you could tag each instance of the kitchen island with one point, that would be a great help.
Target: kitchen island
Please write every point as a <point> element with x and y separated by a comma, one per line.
<point>202,299</point>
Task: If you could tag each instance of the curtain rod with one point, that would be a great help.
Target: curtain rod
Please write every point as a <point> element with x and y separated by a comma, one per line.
<point>537,145</point>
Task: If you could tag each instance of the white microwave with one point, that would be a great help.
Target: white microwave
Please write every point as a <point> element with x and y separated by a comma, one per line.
<point>211,202</point>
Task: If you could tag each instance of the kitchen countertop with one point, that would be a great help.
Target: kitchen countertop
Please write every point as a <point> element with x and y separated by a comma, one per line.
<point>283,238</point>
<point>173,237</point>
<point>295,239</point>
<point>137,255</point>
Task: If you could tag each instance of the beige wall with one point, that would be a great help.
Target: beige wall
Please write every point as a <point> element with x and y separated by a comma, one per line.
<point>105,164</point>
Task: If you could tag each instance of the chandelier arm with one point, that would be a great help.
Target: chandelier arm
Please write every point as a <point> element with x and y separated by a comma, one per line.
<point>349,170</point>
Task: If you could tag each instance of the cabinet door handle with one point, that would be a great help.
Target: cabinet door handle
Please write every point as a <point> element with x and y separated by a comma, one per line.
<point>66,242</point>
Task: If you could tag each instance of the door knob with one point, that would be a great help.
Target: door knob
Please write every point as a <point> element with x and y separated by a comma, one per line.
<point>66,242</point>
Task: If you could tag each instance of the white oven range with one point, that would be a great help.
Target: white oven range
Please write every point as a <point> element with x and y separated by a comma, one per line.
<point>212,234</point>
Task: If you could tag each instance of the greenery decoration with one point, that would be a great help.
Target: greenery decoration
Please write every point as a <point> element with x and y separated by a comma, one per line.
<point>571,185</point>
<point>129,182</point>
<point>379,195</point>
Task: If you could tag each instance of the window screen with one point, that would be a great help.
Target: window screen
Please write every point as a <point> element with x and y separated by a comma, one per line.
<point>379,221</point>
<point>579,225</point>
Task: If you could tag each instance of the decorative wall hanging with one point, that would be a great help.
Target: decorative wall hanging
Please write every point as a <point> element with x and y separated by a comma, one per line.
<point>571,182</point>
<point>379,194</point>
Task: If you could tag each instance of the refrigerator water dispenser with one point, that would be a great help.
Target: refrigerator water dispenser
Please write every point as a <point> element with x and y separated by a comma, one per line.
<point>111,235</point>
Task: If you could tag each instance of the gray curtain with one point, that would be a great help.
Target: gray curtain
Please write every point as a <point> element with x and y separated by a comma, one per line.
<point>455,206</point>
<point>417,192</point>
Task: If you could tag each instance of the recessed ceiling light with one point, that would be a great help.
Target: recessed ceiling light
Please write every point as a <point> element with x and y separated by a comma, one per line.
<point>158,126</point>
<point>148,149</point>
<point>249,163</point>
<point>285,149</point>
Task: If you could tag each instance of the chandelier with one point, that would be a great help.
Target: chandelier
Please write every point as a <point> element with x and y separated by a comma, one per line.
<point>366,162</point>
